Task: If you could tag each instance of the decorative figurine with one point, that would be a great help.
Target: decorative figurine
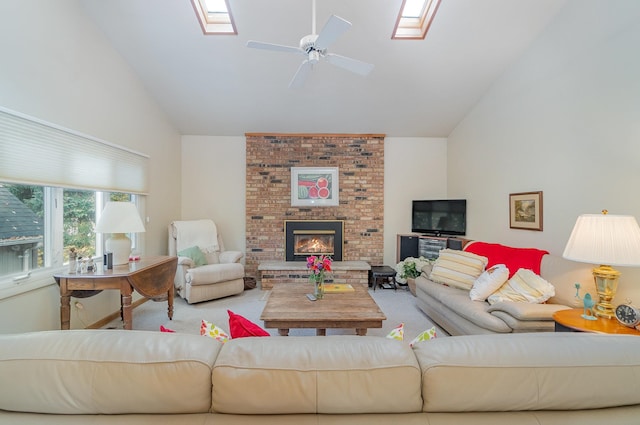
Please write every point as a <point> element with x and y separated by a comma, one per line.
<point>588,304</point>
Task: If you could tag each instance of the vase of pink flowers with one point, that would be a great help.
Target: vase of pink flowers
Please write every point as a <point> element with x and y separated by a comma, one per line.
<point>318,266</point>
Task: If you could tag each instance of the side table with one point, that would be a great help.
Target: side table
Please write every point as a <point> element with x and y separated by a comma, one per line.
<point>382,272</point>
<point>570,321</point>
<point>152,277</point>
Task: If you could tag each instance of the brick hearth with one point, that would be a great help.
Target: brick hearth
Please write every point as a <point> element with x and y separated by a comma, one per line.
<point>353,272</point>
<point>360,159</point>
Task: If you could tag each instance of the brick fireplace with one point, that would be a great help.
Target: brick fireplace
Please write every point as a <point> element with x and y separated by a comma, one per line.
<point>360,162</point>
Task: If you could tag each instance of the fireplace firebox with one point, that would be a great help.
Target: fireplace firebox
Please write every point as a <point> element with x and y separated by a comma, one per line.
<point>313,237</point>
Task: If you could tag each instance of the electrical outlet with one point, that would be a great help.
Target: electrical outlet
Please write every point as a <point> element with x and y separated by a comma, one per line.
<point>79,305</point>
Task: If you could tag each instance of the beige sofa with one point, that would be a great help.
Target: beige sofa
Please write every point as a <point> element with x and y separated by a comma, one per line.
<point>139,377</point>
<point>453,310</point>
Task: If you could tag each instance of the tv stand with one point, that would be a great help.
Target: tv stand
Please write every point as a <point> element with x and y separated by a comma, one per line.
<point>424,245</point>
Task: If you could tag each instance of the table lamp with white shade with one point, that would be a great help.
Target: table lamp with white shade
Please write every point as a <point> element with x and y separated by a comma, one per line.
<point>608,240</point>
<point>119,218</point>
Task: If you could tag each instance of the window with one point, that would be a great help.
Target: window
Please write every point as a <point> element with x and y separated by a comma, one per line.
<point>214,16</point>
<point>36,234</point>
<point>414,19</point>
<point>53,184</point>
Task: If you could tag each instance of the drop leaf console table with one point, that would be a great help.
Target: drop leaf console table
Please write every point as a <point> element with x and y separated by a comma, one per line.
<point>152,277</point>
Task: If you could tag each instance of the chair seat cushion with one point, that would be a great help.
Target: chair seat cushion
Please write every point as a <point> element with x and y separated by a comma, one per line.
<point>214,273</point>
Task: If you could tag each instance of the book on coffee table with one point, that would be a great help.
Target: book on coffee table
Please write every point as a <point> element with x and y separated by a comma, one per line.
<point>331,288</point>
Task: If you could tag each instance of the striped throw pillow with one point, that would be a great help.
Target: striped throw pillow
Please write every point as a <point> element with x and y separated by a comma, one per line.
<point>524,286</point>
<point>458,268</point>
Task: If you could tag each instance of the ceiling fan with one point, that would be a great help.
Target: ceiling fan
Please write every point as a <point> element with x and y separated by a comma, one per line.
<point>314,48</point>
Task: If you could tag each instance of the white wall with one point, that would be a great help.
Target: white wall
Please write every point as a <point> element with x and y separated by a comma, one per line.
<point>56,66</point>
<point>414,168</point>
<point>213,184</point>
<point>564,120</point>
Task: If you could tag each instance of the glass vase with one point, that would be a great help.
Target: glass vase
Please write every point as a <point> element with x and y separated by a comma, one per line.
<point>319,287</point>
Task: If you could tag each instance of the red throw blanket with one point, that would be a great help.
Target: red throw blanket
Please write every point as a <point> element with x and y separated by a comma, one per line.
<point>513,258</point>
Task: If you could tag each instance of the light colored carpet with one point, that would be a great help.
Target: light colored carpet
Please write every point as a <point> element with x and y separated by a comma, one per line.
<point>399,307</point>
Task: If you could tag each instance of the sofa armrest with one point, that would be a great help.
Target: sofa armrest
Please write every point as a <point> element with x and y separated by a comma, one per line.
<point>230,256</point>
<point>185,261</point>
<point>527,311</point>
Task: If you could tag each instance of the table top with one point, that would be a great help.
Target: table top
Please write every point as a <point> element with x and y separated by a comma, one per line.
<point>571,318</point>
<point>380,270</point>
<point>122,270</point>
<point>288,304</point>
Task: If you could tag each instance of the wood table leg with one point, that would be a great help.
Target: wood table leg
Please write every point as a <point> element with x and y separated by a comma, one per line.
<point>127,312</point>
<point>170,296</point>
<point>283,332</point>
<point>361,331</point>
<point>65,306</point>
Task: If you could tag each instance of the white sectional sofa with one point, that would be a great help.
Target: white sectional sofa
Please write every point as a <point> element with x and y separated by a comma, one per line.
<point>138,377</point>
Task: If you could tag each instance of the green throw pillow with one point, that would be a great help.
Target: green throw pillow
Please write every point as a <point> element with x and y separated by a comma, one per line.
<point>195,254</point>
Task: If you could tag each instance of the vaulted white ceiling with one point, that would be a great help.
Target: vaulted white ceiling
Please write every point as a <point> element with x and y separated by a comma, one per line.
<point>215,85</point>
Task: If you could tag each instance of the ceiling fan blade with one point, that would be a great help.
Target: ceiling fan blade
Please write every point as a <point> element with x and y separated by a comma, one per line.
<point>301,75</point>
<point>333,29</point>
<point>353,65</point>
<point>276,47</point>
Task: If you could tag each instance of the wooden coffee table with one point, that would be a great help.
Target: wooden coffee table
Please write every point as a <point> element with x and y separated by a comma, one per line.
<point>288,308</point>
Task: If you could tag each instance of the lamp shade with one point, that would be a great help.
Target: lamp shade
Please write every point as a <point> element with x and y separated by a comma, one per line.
<point>119,217</point>
<point>608,239</point>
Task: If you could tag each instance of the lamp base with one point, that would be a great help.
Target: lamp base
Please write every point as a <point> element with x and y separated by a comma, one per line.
<point>120,245</point>
<point>606,279</point>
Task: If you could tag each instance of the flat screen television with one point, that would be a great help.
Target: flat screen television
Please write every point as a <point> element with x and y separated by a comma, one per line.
<point>439,217</point>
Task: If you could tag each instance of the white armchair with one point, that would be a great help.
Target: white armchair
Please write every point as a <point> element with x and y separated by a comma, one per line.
<point>205,270</point>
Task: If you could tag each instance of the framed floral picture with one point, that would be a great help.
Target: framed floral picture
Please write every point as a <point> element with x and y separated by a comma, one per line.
<point>525,210</point>
<point>314,186</point>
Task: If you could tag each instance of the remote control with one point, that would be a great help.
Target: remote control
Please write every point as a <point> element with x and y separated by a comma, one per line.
<point>311,297</point>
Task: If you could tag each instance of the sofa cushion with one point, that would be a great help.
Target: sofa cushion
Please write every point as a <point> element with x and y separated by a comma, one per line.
<point>214,273</point>
<point>513,258</point>
<point>489,282</point>
<point>457,268</point>
<point>524,286</point>
<point>458,301</point>
<point>106,372</point>
<point>526,311</point>
<point>195,254</point>
<point>534,371</point>
<point>337,374</point>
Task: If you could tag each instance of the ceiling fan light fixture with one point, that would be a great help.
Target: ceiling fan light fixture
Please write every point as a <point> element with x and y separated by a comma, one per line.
<point>314,57</point>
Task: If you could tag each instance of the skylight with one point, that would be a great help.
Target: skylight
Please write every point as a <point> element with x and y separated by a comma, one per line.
<point>414,19</point>
<point>214,16</point>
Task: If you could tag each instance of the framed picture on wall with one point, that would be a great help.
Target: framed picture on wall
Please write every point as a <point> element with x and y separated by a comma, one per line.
<point>314,186</point>
<point>525,210</point>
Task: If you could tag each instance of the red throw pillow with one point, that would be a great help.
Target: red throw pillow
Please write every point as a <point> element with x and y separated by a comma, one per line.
<point>239,327</point>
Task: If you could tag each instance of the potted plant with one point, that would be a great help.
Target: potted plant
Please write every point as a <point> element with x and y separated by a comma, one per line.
<point>408,269</point>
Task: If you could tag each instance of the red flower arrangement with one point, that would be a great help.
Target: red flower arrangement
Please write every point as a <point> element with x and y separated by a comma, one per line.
<point>318,266</point>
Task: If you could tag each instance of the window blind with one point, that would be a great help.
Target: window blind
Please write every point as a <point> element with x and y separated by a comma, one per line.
<point>39,153</point>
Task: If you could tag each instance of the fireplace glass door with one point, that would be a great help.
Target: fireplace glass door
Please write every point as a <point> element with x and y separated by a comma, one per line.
<point>314,242</point>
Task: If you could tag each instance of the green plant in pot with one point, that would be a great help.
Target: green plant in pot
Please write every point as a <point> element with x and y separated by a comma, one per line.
<point>410,268</point>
